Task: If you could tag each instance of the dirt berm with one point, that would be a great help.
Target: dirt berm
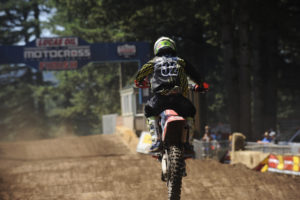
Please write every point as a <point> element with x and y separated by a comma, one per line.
<point>103,167</point>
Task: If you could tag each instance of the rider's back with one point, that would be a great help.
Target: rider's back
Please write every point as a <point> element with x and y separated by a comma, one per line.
<point>168,73</point>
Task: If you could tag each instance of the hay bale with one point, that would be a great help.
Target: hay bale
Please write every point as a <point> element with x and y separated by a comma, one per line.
<point>238,142</point>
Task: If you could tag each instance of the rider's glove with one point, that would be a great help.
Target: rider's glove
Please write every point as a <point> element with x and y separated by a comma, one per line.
<point>141,84</point>
<point>201,88</point>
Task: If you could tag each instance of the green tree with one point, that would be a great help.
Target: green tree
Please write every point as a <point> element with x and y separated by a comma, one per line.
<point>107,20</point>
<point>18,119</point>
<point>20,22</point>
<point>229,41</point>
<point>83,96</point>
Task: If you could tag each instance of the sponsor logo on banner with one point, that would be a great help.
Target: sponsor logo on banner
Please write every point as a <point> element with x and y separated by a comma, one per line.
<point>44,53</point>
<point>57,53</point>
<point>63,65</point>
<point>56,42</point>
<point>126,50</point>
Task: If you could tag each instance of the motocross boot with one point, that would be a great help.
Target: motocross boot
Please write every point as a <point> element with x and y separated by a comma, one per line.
<point>188,147</point>
<point>155,135</point>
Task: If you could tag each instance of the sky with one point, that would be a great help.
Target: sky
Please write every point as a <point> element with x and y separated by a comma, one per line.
<point>44,17</point>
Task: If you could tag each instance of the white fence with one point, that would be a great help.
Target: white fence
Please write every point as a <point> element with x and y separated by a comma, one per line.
<point>291,149</point>
<point>214,149</point>
<point>219,149</point>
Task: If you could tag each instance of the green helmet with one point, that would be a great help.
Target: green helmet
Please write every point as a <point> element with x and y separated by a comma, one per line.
<point>164,43</point>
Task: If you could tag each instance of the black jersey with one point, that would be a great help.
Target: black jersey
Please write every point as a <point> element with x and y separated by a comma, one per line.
<point>167,72</point>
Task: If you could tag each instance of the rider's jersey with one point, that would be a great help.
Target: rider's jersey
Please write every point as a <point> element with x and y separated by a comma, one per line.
<point>168,72</point>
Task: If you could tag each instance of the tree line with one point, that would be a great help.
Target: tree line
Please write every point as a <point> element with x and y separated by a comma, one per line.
<point>247,50</point>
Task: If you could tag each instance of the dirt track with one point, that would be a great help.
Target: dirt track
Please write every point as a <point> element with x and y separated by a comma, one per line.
<point>102,167</point>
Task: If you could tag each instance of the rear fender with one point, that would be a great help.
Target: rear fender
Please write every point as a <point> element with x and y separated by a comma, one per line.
<point>174,130</point>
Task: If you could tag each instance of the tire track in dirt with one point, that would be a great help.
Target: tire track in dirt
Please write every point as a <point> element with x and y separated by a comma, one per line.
<point>103,167</point>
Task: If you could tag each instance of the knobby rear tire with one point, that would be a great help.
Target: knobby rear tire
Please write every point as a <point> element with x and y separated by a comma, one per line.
<point>175,172</point>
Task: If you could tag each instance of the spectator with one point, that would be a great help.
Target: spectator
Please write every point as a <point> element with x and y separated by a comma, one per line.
<point>272,137</point>
<point>266,138</point>
<point>207,138</point>
<point>207,135</point>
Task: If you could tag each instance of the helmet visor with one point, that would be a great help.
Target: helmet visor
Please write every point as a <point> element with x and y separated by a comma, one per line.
<point>162,44</point>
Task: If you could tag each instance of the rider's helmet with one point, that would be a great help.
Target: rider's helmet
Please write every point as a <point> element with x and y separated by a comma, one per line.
<point>164,45</point>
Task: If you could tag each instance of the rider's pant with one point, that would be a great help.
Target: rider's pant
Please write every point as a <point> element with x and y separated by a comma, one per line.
<point>183,106</point>
<point>153,129</point>
<point>177,102</point>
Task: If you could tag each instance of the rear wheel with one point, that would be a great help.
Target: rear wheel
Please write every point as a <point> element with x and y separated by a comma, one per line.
<point>176,169</point>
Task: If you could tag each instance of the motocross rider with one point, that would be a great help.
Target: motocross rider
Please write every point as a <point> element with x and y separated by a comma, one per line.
<point>168,79</point>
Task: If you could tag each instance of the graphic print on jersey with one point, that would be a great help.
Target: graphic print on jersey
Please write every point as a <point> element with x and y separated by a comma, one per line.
<point>167,66</point>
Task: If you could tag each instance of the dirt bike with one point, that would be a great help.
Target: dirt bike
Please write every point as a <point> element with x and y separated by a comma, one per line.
<point>172,157</point>
<point>174,131</point>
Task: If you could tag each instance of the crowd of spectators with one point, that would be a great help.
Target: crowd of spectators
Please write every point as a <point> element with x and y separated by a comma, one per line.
<point>269,137</point>
<point>214,141</point>
<point>215,134</point>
